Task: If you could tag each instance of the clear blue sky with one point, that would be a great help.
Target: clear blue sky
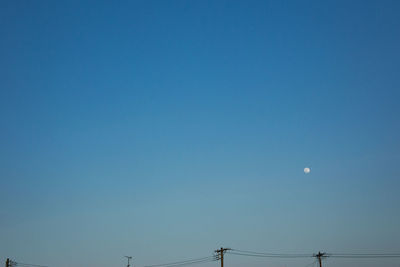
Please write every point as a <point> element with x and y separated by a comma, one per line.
<point>166,129</point>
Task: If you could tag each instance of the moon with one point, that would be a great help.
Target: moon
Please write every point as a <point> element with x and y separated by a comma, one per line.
<point>307,170</point>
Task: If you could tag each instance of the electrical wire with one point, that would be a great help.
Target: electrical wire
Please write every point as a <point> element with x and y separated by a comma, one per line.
<point>267,255</point>
<point>292,255</point>
<point>363,256</point>
<point>27,264</point>
<point>185,262</point>
<point>272,254</point>
<point>189,263</point>
<point>248,253</point>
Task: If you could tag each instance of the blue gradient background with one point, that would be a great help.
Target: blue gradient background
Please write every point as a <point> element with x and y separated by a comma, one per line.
<point>166,129</point>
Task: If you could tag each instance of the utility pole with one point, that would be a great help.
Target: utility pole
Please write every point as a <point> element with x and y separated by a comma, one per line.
<point>129,258</point>
<point>319,256</point>
<point>220,254</point>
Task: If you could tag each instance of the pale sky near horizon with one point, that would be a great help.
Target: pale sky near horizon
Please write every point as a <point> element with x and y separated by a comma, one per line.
<point>167,129</point>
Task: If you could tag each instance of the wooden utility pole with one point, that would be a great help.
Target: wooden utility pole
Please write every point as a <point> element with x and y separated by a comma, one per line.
<point>319,256</point>
<point>220,254</point>
<point>129,258</point>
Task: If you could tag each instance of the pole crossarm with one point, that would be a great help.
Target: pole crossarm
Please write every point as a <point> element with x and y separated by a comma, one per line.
<point>220,254</point>
<point>320,256</point>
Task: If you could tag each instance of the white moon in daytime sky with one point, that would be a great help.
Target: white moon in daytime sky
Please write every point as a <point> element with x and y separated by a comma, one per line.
<point>307,170</point>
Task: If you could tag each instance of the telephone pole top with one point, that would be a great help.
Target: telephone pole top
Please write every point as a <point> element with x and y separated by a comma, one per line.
<point>319,256</point>
<point>129,258</point>
<point>220,254</point>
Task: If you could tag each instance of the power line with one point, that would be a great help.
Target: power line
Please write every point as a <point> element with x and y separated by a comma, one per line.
<point>194,262</point>
<point>185,262</point>
<point>188,263</point>
<point>28,264</point>
<point>14,263</point>
<point>363,256</point>
<point>303,255</point>
<point>273,254</point>
<point>319,256</point>
<point>220,256</point>
<point>267,254</point>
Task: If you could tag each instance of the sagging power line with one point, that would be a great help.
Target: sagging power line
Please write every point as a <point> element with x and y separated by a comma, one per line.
<point>219,256</point>
<point>267,254</point>
<point>364,255</point>
<point>11,263</point>
<point>185,262</point>
<point>319,256</point>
